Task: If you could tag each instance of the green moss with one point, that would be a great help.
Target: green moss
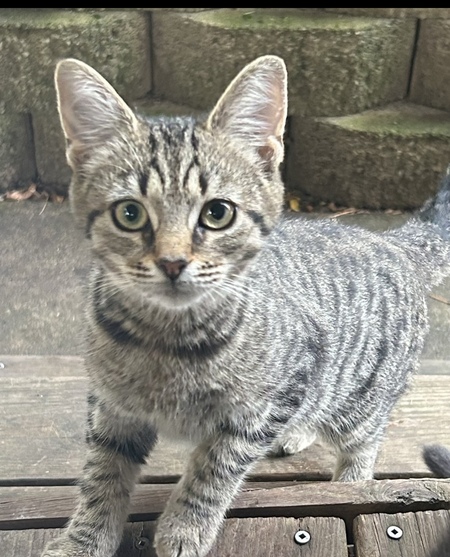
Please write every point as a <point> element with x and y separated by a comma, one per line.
<point>414,121</point>
<point>152,108</point>
<point>280,19</point>
<point>43,19</point>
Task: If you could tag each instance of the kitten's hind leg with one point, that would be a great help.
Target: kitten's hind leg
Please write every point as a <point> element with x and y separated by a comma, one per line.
<point>358,449</point>
<point>356,463</point>
<point>292,441</point>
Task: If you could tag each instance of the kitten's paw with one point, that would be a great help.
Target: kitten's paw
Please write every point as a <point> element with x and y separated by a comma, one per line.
<point>65,547</point>
<point>292,442</point>
<point>177,536</point>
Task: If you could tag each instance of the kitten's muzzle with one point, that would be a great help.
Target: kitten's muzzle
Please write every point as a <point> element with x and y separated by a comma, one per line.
<point>172,268</point>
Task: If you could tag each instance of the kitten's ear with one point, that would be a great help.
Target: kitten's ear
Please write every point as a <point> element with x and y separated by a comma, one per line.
<point>253,108</point>
<point>91,111</point>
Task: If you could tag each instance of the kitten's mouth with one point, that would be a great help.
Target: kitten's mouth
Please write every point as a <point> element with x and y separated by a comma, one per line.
<point>176,294</point>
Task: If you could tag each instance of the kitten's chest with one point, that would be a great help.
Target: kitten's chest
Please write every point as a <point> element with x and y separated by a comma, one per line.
<point>179,395</point>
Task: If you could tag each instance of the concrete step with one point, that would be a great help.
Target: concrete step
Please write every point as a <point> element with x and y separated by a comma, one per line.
<point>392,157</point>
<point>337,64</point>
<point>420,13</point>
<point>45,264</point>
<point>115,42</point>
<point>32,41</point>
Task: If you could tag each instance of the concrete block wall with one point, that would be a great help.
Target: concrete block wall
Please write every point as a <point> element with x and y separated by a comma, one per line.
<point>369,121</point>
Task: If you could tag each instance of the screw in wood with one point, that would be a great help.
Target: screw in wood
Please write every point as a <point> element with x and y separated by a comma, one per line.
<point>302,537</point>
<point>142,543</point>
<point>394,532</point>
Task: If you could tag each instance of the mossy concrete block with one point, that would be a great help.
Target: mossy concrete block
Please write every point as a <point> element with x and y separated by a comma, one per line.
<point>17,164</point>
<point>32,41</point>
<point>420,13</point>
<point>431,76</point>
<point>50,154</point>
<point>130,9</point>
<point>394,157</point>
<point>153,108</point>
<point>337,64</point>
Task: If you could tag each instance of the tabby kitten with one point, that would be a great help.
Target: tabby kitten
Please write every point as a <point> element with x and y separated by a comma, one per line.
<point>212,317</point>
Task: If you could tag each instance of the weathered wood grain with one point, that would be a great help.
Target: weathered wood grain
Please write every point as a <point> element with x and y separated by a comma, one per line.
<point>25,543</point>
<point>42,417</point>
<point>425,534</point>
<point>253,537</point>
<point>48,507</point>
<point>262,537</point>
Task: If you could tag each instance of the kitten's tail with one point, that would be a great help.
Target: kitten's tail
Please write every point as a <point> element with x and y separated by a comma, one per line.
<point>437,209</point>
<point>426,237</point>
<point>437,458</point>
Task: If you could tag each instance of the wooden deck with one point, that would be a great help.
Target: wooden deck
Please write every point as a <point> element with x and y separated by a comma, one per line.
<point>42,417</point>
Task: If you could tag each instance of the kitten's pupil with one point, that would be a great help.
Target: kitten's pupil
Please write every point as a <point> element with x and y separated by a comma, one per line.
<point>131,212</point>
<point>217,211</point>
<point>217,214</point>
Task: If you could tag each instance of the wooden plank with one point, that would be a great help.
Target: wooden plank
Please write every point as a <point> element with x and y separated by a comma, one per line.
<point>25,543</point>
<point>42,420</point>
<point>259,537</point>
<point>425,534</point>
<point>48,507</point>
<point>256,537</point>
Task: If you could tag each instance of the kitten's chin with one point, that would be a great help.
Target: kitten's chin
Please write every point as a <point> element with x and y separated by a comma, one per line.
<point>176,298</point>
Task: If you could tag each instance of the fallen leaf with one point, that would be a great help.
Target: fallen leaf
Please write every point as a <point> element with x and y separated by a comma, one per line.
<point>20,195</point>
<point>440,299</point>
<point>294,204</point>
<point>393,212</point>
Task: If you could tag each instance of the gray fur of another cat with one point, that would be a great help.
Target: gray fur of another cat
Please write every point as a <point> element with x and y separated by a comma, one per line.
<point>437,458</point>
<point>274,331</point>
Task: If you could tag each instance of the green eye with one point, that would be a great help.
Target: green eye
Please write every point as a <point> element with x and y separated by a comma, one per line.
<point>217,214</point>
<point>129,215</point>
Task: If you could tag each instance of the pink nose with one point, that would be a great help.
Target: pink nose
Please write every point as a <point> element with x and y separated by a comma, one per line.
<point>172,268</point>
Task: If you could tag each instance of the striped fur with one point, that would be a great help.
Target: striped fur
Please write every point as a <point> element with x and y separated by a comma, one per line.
<point>276,331</point>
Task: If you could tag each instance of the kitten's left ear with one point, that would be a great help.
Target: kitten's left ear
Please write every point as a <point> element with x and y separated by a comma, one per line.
<point>253,109</point>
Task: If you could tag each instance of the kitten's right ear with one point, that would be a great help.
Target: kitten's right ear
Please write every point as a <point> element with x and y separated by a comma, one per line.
<point>91,111</point>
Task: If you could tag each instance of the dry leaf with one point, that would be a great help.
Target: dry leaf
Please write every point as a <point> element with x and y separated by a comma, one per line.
<point>20,195</point>
<point>393,212</point>
<point>440,299</point>
<point>294,204</point>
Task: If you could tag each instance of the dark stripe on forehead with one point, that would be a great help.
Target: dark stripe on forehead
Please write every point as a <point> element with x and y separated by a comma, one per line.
<point>195,147</point>
<point>90,221</point>
<point>143,183</point>
<point>258,219</point>
<point>154,165</point>
<point>194,141</point>
<point>152,143</point>
<point>203,183</point>
<point>186,176</point>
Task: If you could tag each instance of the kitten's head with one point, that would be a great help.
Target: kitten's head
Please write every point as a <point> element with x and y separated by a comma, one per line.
<point>175,208</point>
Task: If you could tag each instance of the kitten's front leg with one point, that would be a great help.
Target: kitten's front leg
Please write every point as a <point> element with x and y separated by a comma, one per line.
<point>117,448</point>
<point>195,511</point>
